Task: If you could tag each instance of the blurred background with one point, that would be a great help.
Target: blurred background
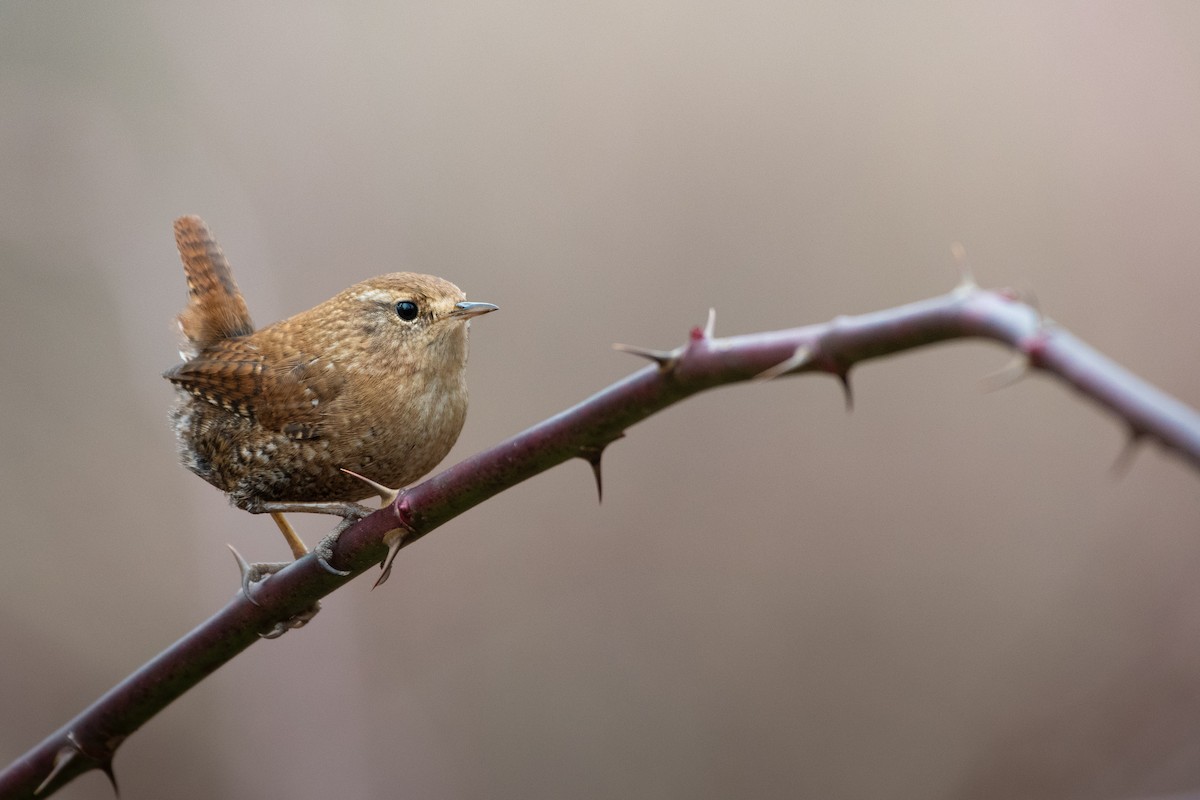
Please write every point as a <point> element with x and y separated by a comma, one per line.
<point>947,593</point>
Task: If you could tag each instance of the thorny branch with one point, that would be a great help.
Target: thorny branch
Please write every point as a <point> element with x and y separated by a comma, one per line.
<point>89,740</point>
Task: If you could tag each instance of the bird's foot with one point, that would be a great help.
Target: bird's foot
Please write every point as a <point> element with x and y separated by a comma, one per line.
<point>324,549</point>
<point>260,571</point>
<point>253,573</point>
<point>298,621</point>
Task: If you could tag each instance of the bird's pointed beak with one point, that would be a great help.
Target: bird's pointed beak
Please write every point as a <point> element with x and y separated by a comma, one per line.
<point>466,310</point>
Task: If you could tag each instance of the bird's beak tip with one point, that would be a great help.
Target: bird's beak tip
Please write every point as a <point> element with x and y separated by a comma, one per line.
<point>467,310</point>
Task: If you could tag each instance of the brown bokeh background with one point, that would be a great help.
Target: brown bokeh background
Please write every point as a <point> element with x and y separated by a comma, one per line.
<point>944,594</point>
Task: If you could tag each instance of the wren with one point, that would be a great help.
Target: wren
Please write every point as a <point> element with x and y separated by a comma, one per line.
<point>370,382</point>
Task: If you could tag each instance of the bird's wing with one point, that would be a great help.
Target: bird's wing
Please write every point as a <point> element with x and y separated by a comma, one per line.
<point>285,397</point>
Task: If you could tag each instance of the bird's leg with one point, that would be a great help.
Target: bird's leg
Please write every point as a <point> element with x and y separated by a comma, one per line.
<point>289,533</point>
<point>349,512</point>
<point>259,570</point>
<point>251,573</point>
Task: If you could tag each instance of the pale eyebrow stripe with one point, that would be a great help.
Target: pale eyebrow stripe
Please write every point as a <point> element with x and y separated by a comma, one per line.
<point>378,295</point>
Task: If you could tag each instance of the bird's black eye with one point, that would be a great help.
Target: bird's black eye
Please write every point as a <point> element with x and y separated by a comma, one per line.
<point>406,310</point>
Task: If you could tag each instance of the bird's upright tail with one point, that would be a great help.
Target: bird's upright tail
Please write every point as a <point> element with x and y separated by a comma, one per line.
<point>215,309</point>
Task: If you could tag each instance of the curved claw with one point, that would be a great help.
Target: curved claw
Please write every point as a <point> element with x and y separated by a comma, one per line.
<point>298,621</point>
<point>279,630</point>
<point>323,555</point>
<point>324,549</point>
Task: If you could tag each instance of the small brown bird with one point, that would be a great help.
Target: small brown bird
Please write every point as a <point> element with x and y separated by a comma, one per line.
<point>372,382</point>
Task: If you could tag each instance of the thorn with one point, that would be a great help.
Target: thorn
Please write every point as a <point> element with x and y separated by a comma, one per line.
<point>966,280</point>
<point>73,750</point>
<point>592,455</point>
<point>248,575</point>
<point>1016,369</point>
<point>394,539</point>
<point>802,357</point>
<point>387,494</point>
<point>666,359</point>
<point>62,759</point>
<point>1124,460</point>
<point>106,767</point>
<point>843,375</point>
<point>711,324</point>
<point>595,462</point>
